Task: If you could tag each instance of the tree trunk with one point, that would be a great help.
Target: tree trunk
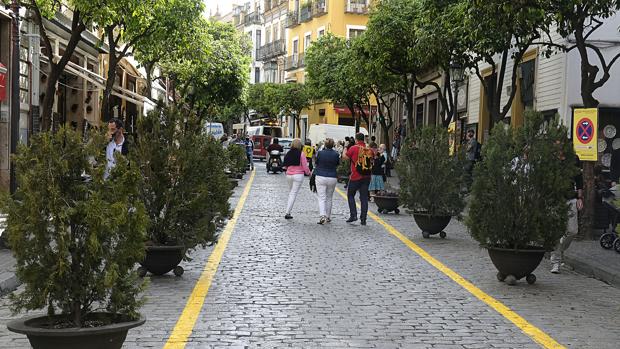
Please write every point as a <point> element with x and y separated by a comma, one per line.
<point>48,100</point>
<point>410,106</point>
<point>106,102</point>
<point>149,66</point>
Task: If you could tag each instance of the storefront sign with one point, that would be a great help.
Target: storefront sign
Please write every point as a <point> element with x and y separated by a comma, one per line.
<point>585,123</point>
<point>3,73</point>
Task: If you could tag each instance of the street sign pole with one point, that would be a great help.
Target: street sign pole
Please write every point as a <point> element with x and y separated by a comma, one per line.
<point>14,91</point>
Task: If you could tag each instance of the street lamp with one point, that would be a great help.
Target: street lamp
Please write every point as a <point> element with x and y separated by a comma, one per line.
<point>457,74</point>
<point>14,91</point>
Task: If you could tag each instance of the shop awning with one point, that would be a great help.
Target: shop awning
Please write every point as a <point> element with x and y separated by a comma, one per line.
<point>346,111</point>
<point>100,81</point>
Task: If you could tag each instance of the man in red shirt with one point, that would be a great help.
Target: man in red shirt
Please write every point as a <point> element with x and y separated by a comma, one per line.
<point>357,181</point>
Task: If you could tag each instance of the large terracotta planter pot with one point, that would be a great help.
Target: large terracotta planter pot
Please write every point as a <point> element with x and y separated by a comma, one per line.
<point>387,204</point>
<point>160,260</point>
<point>513,265</point>
<point>431,225</point>
<point>42,335</point>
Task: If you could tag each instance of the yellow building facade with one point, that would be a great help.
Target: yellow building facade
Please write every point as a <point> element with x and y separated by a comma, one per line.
<point>307,21</point>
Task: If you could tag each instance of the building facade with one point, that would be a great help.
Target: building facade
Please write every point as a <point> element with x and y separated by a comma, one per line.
<point>248,19</point>
<point>272,51</point>
<point>308,21</point>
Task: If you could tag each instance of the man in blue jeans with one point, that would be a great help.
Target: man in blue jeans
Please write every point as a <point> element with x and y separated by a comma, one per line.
<point>357,181</point>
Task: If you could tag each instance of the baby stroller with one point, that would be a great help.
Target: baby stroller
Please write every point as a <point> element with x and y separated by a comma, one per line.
<point>611,239</point>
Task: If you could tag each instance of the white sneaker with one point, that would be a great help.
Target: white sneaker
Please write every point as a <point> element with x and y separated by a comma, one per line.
<point>555,268</point>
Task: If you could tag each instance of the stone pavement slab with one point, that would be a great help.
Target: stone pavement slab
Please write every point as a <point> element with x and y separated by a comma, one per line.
<point>8,280</point>
<point>589,258</point>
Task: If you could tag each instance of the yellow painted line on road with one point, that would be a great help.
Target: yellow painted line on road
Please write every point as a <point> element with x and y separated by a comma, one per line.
<point>185,325</point>
<point>532,331</point>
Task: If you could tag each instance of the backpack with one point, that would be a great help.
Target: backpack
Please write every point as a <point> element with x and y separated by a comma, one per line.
<point>364,162</point>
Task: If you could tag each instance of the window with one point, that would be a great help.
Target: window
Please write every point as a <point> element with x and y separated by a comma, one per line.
<point>353,31</point>
<point>307,41</point>
<point>320,32</point>
<point>256,75</point>
<point>258,38</point>
<point>267,36</point>
<point>276,32</point>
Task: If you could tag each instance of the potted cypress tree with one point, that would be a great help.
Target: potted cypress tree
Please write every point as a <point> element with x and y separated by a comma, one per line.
<point>519,207</point>
<point>185,189</point>
<point>431,179</point>
<point>75,242</point>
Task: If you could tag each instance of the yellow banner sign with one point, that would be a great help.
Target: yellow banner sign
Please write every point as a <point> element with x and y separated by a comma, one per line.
<point>585,135</point>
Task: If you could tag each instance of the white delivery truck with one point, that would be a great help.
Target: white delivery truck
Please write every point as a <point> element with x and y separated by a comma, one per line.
<point>320,132</point>
<point>215,129</point>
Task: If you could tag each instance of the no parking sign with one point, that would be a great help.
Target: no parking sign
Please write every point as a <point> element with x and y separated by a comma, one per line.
<point>585,123</point>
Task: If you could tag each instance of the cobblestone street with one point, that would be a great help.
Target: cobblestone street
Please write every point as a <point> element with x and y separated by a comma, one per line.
<point>302,285</point>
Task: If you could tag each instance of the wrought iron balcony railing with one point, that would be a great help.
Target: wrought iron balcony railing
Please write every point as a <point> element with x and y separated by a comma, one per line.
<point>271,50</point>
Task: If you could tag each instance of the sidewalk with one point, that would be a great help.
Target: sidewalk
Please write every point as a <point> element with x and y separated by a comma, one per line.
<point>585,257</point>
<point>8,280</point>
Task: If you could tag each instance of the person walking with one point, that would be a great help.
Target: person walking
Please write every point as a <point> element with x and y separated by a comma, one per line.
<point>471,147</point>
<point>309,151</point>
<point>327,161</point>
<point>575,203</point>
<point>361,169</point>
<point>376,178</point>
<point>249,151</point>
<point>117,144</point>
<point>296,167</point>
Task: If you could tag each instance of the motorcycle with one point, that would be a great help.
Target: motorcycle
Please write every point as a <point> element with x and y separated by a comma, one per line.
<point>275,162</point>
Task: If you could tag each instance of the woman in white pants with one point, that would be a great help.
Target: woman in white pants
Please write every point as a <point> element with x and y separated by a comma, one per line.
<point>296,166</point>
<point>327,161</point>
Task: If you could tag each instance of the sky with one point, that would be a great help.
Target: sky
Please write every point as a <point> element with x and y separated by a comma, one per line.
<point>224,5</point>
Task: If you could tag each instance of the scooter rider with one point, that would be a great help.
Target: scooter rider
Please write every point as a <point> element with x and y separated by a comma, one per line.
<point>275,146</point>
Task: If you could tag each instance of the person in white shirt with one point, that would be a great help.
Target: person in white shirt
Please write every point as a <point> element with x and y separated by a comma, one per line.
<point>117,144</point>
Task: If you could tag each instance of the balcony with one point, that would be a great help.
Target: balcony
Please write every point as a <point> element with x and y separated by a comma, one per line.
<point>305,13</point>
<point>356,7</point>
<point>292,19</point>
<point>251,18</point>
<point>319,8</point>
<point>295,61</point>
<point>271,50</point>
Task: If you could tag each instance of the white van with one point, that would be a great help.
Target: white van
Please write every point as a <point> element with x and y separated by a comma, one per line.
<point>319,132</point>
<point>215,129</point>
<point>272,131</point>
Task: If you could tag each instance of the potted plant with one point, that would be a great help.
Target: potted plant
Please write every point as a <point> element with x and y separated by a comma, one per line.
<point>343,171</point>
<point>185,189</point>
<point>387,201</point>
<point>519,207</point>
<point>237,160</point>
<point>76,238</point>
<point>431,179</point>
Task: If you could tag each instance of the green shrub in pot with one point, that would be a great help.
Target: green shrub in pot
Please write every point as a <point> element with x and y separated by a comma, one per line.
<point>431,177</point>
<point>76,237</point>
<point>185,188</point>
<point>520,190</point>
<point>237,158</point>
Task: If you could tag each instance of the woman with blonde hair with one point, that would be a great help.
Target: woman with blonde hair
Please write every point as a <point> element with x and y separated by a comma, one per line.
<point>327,161</point>
<point>296,166</point>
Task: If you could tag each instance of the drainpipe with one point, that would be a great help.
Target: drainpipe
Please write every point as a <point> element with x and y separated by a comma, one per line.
<point>14,90</point>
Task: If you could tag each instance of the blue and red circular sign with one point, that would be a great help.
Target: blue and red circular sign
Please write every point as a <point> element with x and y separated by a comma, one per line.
<point>585,130</point>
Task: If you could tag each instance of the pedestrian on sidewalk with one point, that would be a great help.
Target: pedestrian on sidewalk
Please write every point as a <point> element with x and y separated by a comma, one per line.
<point>575,203</point>
<point>117,144</point>
<point>296,167</point>
<point>376,178</point>
<point>327,161</point>
<point>361,169</point>
<point>249,151</point>
<point>309,151</point>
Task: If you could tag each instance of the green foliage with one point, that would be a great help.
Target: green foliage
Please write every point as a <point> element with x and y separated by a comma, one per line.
<point>344,168</point>
<point>331,65</point>
<point>430,178</point>
<point>520,201</point>
<point>185,189</point>
<point>264,98</point>
<point>237,159</point>
<point>212,71</point>
<point>75,242</point>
